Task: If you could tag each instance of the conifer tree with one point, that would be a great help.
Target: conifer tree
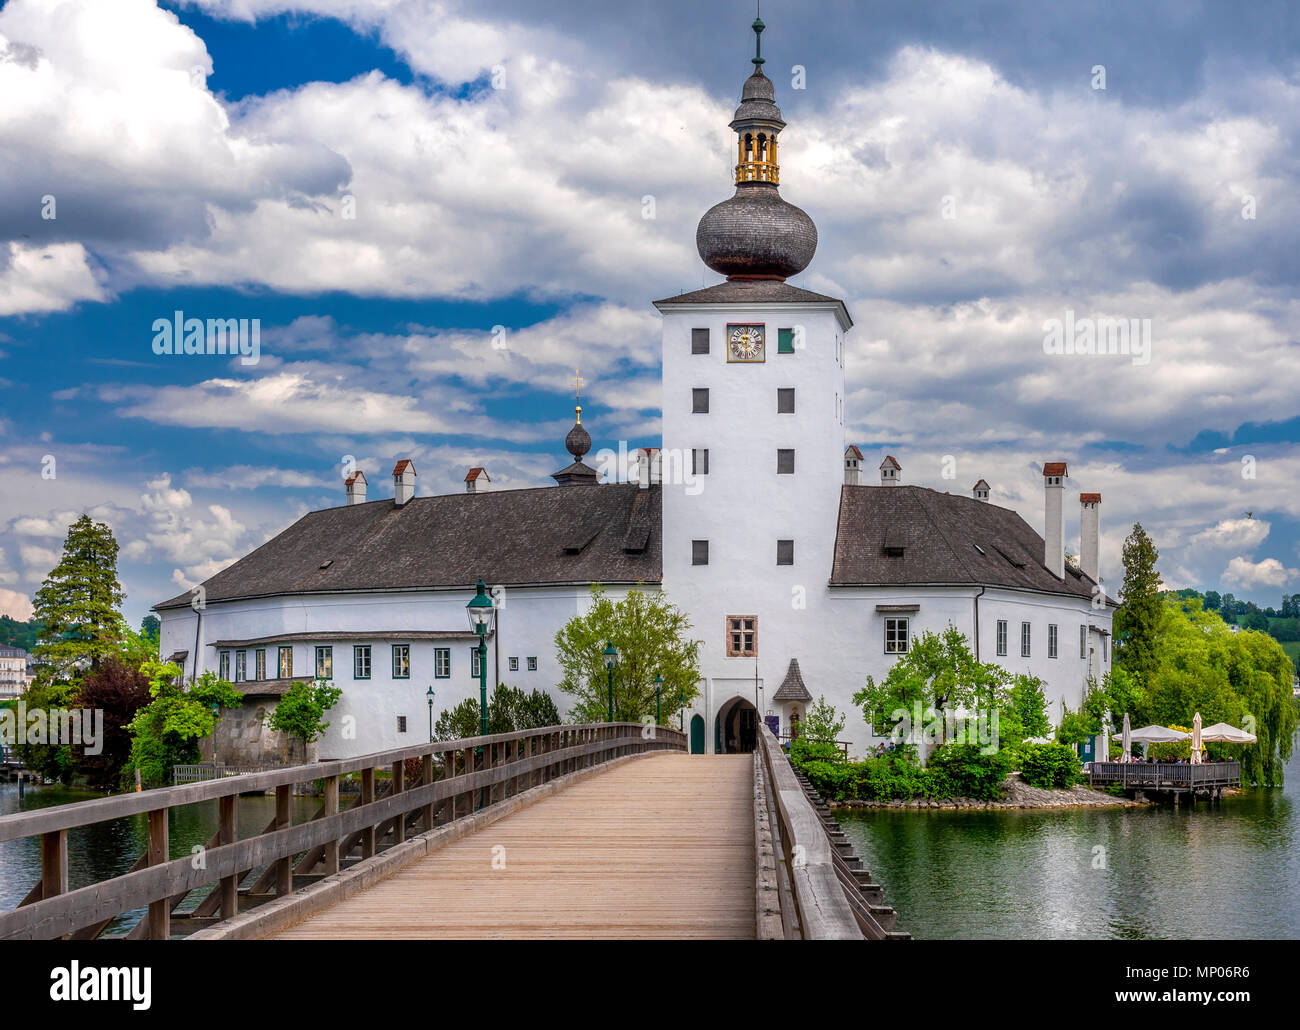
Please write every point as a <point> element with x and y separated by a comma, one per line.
<point>1142,611</point>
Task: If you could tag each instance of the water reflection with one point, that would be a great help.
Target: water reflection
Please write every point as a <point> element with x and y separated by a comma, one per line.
<point>1225,871</point>
<point>109,849</point>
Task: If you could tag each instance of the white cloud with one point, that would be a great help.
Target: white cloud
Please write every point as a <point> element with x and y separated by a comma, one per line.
<point>50,278</point>
<point>1248,575</point>
<point>16,605</point>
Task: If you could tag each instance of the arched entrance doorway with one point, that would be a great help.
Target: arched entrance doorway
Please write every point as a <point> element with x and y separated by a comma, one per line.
<point>736,728</point>
<point>697,734</point>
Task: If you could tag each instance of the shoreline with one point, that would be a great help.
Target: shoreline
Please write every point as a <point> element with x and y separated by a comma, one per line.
<point>1018,795</point>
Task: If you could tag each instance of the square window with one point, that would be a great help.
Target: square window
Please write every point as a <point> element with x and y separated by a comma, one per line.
<point>285,667</point>
<point>441,662</point>
<point>785,552</point>
<point>241,666</point>
<point>742,636</point>
<point>532,664</point>
<point>785,341</point>
<point>514,664</point>
<point>896,636</point>
<point>361,662</point>
<point>785,400</point>
<point>324,663</point>
<point>700,461</point>
<point>700,400</point>
<point>223,666</point>
<point>699,552</point>
<point>401,724</point>
<point>260,663</point>
<point>784,462</point>
<point>1002,636</point>
<point>401,661</point>
<point>1051,641</point>
<point>1024,640</point>
<point>699,341</point>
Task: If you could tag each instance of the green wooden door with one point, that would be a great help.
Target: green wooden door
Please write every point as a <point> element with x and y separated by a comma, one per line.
<point>697,735</point>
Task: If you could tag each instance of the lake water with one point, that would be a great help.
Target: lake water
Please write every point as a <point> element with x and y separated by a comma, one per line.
<point>110,849</point>
<point>1226,871</point>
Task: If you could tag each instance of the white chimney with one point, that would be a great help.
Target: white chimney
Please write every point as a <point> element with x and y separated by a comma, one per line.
<point>1054,473</point>
<point>1090,532</point>
<point>403,482</point>
<point>356,487</point>
<point>477,480</point>
<point>890,472</point>
<point>980,491</point>
<point>852,466</point>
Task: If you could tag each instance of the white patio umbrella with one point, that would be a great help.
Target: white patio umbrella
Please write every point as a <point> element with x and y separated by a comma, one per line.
<point>1127,740</point>
<point>1158,735</point>
<point>1196,739</point>
<point>1222,733</point>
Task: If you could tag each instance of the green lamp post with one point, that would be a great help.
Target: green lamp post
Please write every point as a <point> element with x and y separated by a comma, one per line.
<point>482,616</point>
<point>611,659</point>
<point>659,693</point>
<point>429,695</point>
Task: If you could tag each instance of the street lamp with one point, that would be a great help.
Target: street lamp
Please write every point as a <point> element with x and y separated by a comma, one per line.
<point>659,694</point>
<point>482,616</point>
<point>429,695</point>
<point>611,659</point>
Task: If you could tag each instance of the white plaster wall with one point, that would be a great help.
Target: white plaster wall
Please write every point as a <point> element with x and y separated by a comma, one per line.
<point>528,622</point>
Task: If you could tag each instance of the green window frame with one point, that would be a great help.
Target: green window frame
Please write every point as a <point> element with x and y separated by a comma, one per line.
<point>361,662</point>
<point>401,661</point>
<point>442,663</point>
<point>285,667</point>
<point>324,662</point>
<point>260,664</point>
<point>785,341</point>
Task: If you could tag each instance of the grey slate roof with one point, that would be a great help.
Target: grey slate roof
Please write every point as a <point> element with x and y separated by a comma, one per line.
<point>792,687</point>
<point>941,537</point>
<point>761,291</point>
<point>602,533</point>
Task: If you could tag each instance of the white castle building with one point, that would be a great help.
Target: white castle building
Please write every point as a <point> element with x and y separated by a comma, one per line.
<point>800,577</point>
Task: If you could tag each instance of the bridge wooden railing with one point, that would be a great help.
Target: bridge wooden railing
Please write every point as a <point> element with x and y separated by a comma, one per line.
<point>454,778</point>
<point>816,898</point>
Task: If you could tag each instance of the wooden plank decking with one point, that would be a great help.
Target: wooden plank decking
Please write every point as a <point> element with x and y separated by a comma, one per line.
<point>658,847</point>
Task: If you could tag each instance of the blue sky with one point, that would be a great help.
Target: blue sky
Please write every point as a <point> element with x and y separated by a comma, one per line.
<point>383,182</point>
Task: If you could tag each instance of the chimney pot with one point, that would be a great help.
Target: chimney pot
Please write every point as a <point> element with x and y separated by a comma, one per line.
<point>356,487</point>
<point>980,491</point>
<point>891,472</point>
<point>403,482</point>
<point>1054,474</point>
<point>1090,535</point>
<point>852,466</point>
<point>477,480</point>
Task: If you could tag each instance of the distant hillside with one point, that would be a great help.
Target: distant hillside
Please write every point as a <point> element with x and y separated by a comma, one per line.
<point>18,634</point>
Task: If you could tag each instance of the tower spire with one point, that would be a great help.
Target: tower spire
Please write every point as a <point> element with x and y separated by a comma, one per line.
<point>758,28</point>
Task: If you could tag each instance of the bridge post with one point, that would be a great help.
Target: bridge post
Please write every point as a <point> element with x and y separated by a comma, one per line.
<point>367,796</point>
<point>160,912</point>
<point>54,863</point>
<point>331,856</point>
<point>399,785</point>
<point>426,771</point>
<point>283,820</point>
<point>227,830</point>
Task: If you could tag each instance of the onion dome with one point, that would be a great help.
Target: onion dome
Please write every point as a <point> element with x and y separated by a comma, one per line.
<point>755,234</point>
<point>577,443</point>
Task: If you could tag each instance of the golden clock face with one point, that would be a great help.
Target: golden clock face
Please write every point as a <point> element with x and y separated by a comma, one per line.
<point>746,342</point>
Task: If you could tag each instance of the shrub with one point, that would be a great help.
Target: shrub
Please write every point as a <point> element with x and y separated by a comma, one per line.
<point>1049,765</point>
<point>963,771</point>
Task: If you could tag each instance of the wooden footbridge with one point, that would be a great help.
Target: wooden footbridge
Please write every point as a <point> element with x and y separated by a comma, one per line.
<point>603,830</point>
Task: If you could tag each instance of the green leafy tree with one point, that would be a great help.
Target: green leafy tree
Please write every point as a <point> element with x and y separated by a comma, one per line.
<point>653,638</point>
<point>167,731</point>
<point>509,709</point>
<point>1026,710</point>
<point>940,673</point>
<point>301,711</point>
<point>1138,620</point>
<point>49,760</point>
<point>78,604</point>
<point>822,723</point>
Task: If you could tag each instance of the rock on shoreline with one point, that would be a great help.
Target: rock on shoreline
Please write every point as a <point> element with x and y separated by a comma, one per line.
<point>1018,795</point>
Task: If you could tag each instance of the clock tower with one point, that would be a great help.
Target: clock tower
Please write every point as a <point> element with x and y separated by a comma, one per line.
<point>753,437</point>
